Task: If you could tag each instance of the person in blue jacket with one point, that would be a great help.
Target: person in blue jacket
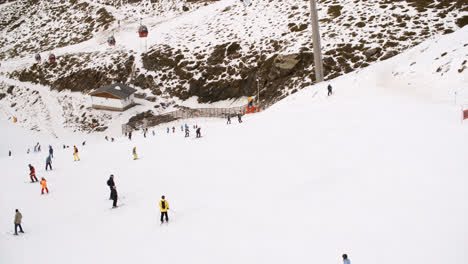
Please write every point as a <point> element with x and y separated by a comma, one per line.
<point>346,260</point>
<point>48,163</point>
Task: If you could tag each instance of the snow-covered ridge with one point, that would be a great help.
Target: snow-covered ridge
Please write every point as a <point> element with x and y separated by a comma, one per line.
<point>219,51</point>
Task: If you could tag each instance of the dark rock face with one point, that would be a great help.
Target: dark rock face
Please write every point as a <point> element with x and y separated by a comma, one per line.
<point>80,80</point>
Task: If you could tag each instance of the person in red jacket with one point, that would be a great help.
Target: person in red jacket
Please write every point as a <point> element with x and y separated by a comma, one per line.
<point>44,185</point>
<point>32,173</point>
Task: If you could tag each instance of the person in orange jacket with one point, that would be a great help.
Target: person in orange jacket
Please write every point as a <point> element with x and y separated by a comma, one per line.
<point>44,185</point>
<point>75,153</point>
<point>163,206</point>
<point>32,173</point>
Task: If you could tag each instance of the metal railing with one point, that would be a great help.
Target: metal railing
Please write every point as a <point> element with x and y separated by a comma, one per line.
<point>186,113</point>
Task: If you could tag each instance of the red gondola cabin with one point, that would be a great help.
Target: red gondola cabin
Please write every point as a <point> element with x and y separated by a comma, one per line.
<point>111,41</point>
<point>52,58</point>
<point>38,57</point>
<point>143,31</point>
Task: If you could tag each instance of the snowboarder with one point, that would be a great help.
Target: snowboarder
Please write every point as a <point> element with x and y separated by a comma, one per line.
<point>111,185</point>
<point>48,163</point>
<point>51,151</point>
<point>135,156</point>
<point>18,217</point>
<point>228,120</point>
<point>164,206</point>
<point>345,259</point>
<point>75,153</point>
<point>239,117</point>
<point>199,132</point>
<point>330,90</point>
<point>32,173</point>
<point>44,185</point>
<point>187,132</point>
<point>114,196</point>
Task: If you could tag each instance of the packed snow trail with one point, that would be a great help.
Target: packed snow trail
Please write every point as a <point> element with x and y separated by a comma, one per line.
<point>377,171</point>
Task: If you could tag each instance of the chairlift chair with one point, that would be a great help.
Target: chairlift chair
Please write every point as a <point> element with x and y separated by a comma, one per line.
<point>52,58</point>
<point>111,41</point>
<point>143,31</point>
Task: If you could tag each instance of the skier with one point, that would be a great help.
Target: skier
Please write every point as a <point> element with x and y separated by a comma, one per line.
<point>112,139</point>
<point>111,185</point>
<point>153,133</point>
<point>345,259</point>
<point>75,153</point>
<point>164,206</point>
<point>51,151</point>
<point>9,153</point>
<point>27,152</point>
<point>44,185</point>
<point>130,135</point>
<point>48,163</point>
<point>239,117</point>
<point>32,173</point>
<point>107,139</point>
<point>18,217</point>
<point>173,129</point>
<point>114,196</point>
<point>330,91</point>
<point>144,132</point>
<point>228,120</point>
<point>135,156</point>
<point>84,143</point>
<point>168,130</point>
<point>181,128</point>
<point>199,132</point>
<point>187,132</point>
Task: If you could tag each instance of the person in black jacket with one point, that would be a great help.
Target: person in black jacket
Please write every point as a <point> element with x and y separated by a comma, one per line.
<point>114,196</point>
<point>199,132</point>
<point>330,90</point>
<point>111,184</point>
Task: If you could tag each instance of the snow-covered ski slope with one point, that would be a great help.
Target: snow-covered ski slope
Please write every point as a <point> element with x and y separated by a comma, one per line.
<point>377,171</point>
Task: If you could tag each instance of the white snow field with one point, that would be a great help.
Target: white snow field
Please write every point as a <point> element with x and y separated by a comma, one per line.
<point>378,171</point>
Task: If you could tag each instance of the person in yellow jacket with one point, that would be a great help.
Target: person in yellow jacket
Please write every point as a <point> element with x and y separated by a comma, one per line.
<point>164,206</point>
<point>75,153</point>
<point>44,185</point>
<point>135,156</point>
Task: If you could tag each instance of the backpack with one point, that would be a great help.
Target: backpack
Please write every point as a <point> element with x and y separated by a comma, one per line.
<point>163,204</point>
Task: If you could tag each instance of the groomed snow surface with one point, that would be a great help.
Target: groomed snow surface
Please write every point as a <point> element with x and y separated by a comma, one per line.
<point>377,171</point>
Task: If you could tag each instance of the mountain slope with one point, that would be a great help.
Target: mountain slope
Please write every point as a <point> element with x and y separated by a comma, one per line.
<point>376,171</point>
<point>219,51</point>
